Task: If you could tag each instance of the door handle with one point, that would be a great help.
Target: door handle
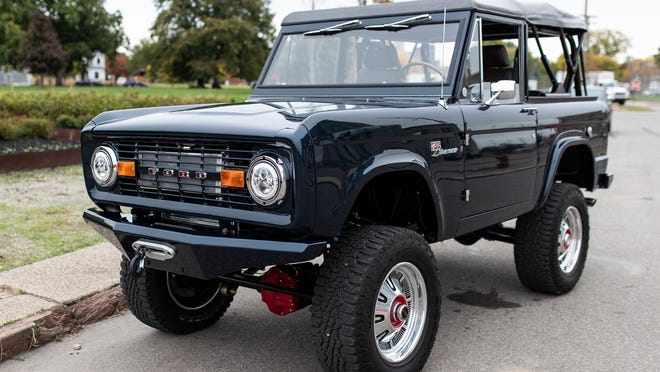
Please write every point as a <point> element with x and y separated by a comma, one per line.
<point>530,110</point>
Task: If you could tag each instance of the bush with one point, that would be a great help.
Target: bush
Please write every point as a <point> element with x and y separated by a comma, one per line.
<point>83,106</point>
<point>67,121</point>
<point>37,113</point>
<point>8,130</point>
<point>25,127</point>
<point>35,128</point>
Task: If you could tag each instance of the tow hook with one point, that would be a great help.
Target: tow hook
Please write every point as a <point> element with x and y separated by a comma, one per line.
<point>136,265</point>
<point>147,249</point>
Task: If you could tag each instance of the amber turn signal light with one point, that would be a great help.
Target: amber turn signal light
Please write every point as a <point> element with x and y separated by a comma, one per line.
<point>126,168</point>
<point>232,178</point>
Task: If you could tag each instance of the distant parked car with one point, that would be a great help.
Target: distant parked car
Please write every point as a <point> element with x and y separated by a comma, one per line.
<point>616,93</point>
<point>88,83</point>
<point>135,83</point>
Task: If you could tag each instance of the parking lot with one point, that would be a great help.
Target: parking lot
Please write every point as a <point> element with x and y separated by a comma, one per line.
<point>609,322</point>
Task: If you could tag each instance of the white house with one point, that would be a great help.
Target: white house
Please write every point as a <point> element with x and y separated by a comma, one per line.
<point>95,69</point>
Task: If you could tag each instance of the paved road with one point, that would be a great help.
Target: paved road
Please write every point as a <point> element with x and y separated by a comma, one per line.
<point>610,322</point>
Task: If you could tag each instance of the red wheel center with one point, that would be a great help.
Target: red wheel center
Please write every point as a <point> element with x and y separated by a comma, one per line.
<point>399,311</point>
<point>567,239</point>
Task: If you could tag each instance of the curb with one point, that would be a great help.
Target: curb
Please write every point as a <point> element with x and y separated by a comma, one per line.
<point>59,321</point>
<point>38,160</point>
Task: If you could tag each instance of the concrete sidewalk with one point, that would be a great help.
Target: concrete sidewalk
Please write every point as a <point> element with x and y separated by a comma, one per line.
<point>47,299</point>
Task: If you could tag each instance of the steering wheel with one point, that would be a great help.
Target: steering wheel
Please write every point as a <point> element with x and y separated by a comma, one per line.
<point>425,65</point>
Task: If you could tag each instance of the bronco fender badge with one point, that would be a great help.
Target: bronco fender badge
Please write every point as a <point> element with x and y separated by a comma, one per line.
<point>437,150</point>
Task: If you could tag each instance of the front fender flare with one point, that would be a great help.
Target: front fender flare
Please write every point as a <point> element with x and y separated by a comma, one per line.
<point>394,160</point>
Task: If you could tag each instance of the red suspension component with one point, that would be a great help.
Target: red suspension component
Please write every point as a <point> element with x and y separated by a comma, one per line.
<point>280,303</point>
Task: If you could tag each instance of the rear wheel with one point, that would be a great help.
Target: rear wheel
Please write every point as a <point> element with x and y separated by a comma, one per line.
<point>551,243</point>
<point>376,302</point>
<point>174,303</point>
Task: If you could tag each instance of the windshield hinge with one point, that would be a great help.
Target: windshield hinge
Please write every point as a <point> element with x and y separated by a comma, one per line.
<point>466,138</point>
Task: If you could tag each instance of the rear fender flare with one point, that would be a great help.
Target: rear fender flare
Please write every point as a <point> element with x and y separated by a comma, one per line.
<point>555,159</point>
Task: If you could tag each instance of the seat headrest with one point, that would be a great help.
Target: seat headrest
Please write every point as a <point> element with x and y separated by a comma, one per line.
<point>495,56</point>
<point>379,56</point>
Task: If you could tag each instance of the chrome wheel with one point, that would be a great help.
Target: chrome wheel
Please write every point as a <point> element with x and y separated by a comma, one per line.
<point>191,293</point>
<point>400,312</point>
<point>570,240</point>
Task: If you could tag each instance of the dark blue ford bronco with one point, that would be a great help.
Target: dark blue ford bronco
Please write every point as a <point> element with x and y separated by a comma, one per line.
<point>371,133</point>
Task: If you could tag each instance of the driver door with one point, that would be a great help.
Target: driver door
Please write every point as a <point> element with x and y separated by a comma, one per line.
<point>500,129</point>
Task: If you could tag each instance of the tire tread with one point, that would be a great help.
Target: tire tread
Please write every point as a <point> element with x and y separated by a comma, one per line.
<point>536,239</point>
<point>338,312</point>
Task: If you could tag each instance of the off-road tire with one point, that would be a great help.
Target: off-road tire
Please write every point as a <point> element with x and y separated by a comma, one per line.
<point>346,291</point>
<point>537,242</point>
<point>149,299</point>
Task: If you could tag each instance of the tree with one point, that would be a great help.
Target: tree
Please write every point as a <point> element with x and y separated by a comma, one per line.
<point>10,40</point>
<point>42,52</point>
<point>14,20</point>
<point>595,62</point>
<point>608,43</point>
<point>657,58</point>
<point>118,66</point>
<point>144,56</point>
<point>83,27</point>
<point>203,39</point>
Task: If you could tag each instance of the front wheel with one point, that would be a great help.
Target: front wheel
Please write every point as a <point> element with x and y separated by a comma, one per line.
<point>174,303</point>
<point>376,302</point>
<point>551,243</point>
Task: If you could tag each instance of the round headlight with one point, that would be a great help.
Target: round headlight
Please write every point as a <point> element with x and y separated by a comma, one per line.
<point>266,181</point>
<point>104,166</point>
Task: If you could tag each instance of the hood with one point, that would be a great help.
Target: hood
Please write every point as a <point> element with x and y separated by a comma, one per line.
<point>260,119</point>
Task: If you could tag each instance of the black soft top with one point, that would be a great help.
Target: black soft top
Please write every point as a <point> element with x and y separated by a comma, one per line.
<point>535,12</point>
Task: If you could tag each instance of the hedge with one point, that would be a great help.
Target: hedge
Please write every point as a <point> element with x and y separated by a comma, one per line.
<point>24,127</point>
<point>71,110</point>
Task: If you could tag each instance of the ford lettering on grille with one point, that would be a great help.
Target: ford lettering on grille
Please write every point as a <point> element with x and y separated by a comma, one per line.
<point>185,172</point>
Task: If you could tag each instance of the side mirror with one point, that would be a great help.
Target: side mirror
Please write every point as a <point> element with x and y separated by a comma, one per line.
<point>503,89</point>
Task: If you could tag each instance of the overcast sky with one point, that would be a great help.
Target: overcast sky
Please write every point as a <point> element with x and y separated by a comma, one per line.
<point>637,19</point>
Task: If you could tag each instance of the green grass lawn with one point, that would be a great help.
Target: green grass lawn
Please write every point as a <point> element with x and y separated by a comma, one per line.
<point>641,98</point>
<point>41,215</point>
<point>636,108</point>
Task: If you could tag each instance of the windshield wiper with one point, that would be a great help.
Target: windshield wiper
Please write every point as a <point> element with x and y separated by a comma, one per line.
<point>334,29</point>
<point>400,25</point>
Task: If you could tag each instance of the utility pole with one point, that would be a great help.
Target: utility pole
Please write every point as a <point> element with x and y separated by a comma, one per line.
<point>586,12</point>
<point>587,17</point>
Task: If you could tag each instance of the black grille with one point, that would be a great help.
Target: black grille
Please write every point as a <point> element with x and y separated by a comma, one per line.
<point>159,163</point>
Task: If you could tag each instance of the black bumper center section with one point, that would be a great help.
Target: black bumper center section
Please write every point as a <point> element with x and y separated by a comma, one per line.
<point>203,257</point>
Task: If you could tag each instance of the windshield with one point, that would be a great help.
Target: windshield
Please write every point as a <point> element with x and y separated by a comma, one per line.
<point>365,56</point>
